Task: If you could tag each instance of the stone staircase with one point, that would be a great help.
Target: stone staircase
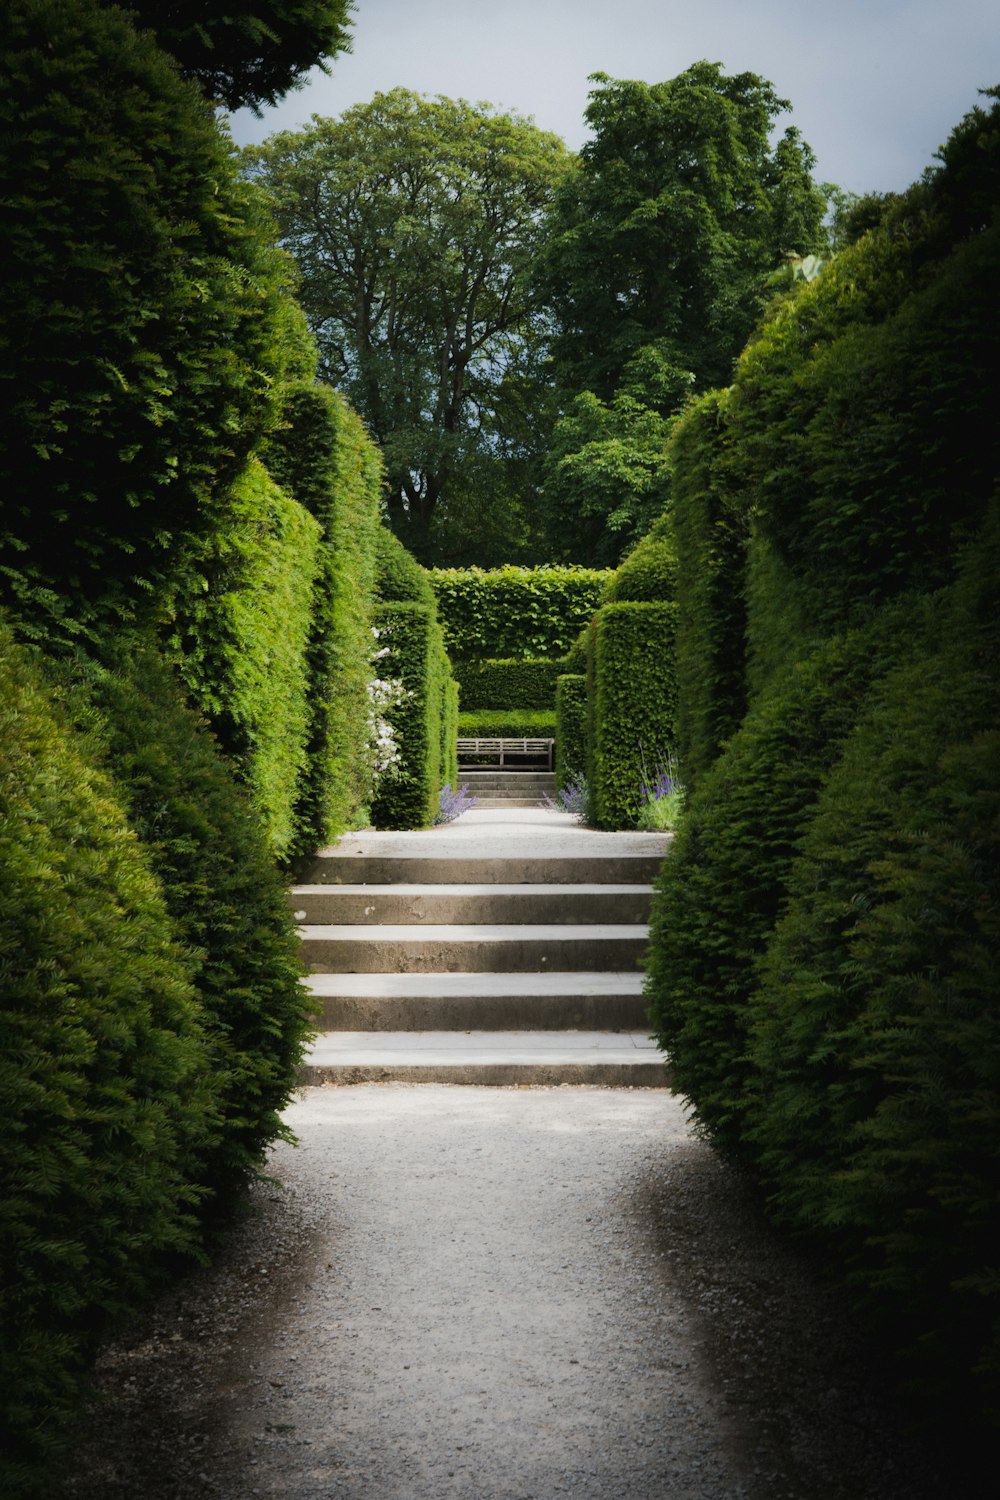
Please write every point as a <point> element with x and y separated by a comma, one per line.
<point>466,954</point>
<point>496,788</point>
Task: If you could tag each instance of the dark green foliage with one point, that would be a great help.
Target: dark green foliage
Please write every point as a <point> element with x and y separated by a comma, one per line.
<point>633,705</point>
<point>515,612</point>
<point>515,723</point>
<point>323,456</point>
<point>414,222</point>
<point>241,645</point>
<point>711,538</point>
<point>649,572</point>
<point>664,239</point>
<point>247,53</point>
<point>399,578</point>
<point>571,728</point>
<point>407,794</point>
<point>226,899</point>
<point>507,684</point>
<point>144,305</point>
<point>874,1032</point>
<point>449,732</point>
<point>721,887</point>
<point>108,1107</point>
<point>575,660</point>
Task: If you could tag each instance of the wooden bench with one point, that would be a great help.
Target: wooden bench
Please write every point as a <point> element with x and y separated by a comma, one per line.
<point>509,754</point>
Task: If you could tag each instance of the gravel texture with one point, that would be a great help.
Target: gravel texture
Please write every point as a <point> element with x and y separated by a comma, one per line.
<point>496,1294</point>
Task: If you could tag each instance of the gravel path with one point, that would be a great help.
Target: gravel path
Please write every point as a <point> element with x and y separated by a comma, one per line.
<point>490,1294</point>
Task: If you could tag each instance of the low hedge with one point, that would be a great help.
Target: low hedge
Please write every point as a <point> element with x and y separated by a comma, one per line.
<point>515,612</point>
<point>514,723</point>
<point>571,728</point>
<point>105,1070</point>
<point>507,684</point>
<point>322,455</point>
<point>632,705</point>
<point>241,645</point>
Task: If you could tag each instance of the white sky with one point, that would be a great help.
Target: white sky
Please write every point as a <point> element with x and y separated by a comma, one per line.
<point>876,85</point>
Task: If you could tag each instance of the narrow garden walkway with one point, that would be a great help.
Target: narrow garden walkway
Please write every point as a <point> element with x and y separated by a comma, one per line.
<point>498,1293</point>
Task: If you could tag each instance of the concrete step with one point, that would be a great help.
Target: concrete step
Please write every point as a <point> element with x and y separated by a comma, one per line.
<point>336,868</point>
<point>453,948</point>
<point>480,1001</point>
<point>614,1059</point>
<point>492,780</point>
<point>505,799</point>
<point>492,903</point>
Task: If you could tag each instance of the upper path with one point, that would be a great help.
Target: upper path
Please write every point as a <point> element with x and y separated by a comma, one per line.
<point>504,833</point>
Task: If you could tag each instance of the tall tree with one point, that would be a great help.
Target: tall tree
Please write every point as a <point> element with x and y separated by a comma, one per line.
<point>656,269</point>
<point>246,52</point>
<point>666,234</point>
<point>415,223</point>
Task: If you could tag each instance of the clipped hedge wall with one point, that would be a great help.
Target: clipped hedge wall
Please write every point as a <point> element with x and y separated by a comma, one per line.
<point>722,885</point>
<point>142,321</point>
<point>711,530</point>
<point>632,707</point>
<point>875,1117</point>
<point>226,899</point>
<point>241,645</point>
<point>515,612</point>
<point>105,1070</point>
<point>517,723</point>
<point>507,684</point>
<point>571,728</point>
<point>322,454</point>
<point>407,795</point>
<point>649,572</point>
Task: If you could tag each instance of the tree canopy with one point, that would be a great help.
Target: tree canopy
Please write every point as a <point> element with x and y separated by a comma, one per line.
<point>246,52</point>
<point>415,223</point>
<point>665,236</point>
<point>655,270</point>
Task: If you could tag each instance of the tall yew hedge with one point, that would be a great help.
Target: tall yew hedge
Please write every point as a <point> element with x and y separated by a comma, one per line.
<point>825,933</point>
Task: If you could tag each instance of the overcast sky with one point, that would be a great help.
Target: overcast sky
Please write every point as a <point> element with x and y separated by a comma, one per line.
<point>875,85</point>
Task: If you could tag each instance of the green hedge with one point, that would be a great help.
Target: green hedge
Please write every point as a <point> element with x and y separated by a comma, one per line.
<point>875,1037</point>
<point>399,577</point>
<point>142,323</point>
<point>449,733</point>
<point>711,532</point>
<point>649,572</point>
<point>323,456</point>
<point>241,645</point>
<point>105,1070</point>
<point>515,612</point>
<point>571,728</point>
<point>515,723</point>
<point>407,795</point>
<point>507,684</point>
<point>722,885</point>
<point>633,705</point>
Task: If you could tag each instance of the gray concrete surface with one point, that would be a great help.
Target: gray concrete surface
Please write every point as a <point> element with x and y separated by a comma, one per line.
<point>502,833</point>
<point>485,902</point>
<point>619,1059</point>
<point>476,1294</point>
<point>457,947</point>
<point>480,1002</point>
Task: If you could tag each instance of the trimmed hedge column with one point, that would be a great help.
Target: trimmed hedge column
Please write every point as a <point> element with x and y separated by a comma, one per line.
<point>632,704</point>
<point>407,796</point>
<point>571,727</point>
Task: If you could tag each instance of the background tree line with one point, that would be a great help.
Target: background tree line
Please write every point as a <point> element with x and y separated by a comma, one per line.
<point>519,326</point>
